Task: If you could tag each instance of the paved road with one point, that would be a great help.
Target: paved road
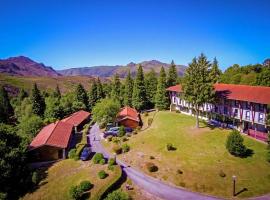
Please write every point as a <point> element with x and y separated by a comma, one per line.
<point>149,184</point>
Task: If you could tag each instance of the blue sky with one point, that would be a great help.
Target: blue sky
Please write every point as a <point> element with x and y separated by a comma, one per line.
<point>87,33</point>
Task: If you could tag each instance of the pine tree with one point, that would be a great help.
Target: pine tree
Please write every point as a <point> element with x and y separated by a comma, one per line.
<point>197,85</point>
<point>57,92</point>
<point>172,75</point>
<point>151,87</point>
<point>215,72</point>
<point>100,92</point>
<point>161,98</point>
<point>139,99</point>
<point>116,88</point>
<point>93,95</point>
<point>81,96</point>
<point>128,90</point>
<point>6,110</point>
<point>37,101</point>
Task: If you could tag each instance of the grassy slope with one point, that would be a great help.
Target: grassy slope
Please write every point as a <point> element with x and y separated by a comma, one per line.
<point>48,83</point>
<point>66,173</point>
<point>200,154</point>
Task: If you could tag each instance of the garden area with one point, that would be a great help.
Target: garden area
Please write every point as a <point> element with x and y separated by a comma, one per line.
<point>172,150</point>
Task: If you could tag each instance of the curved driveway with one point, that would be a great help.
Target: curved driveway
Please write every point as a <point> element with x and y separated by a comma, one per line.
<point>149,184</point>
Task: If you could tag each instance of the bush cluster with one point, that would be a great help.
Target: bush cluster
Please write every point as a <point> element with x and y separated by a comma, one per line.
<point>115,140</point>
<point>77,191</point>
<point>117,149</point>
<point>122,131</point>
<point>151,167</point>
<point>111,161</point>
<point>125,148</point>
<point>102,174</point>
<point>146,114</point>
<point>124,139</point>
<point>235,144</point>
<point>109,138</point>
<point>170,147</point>
<point>73,155</point>
<point>98,158</point>
<point>118,194</point>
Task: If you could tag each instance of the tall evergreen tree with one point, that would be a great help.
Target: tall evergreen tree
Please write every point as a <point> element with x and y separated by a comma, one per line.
<point>197,85</point>
<point>151,87</point>
<point>215,72</point>
<point>139,99</point>
<point>100,92</point>
<point>37,101</point>
<point>172,75</point>
<point>6,110</point>
<point>57,92</point>
<point>116,88</point>
<point>128,90</point>
<point>81,96</point>
<point>161,98</point>
<point>93,95</point>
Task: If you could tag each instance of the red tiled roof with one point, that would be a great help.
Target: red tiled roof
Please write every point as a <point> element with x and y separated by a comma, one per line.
<point>55,134</point>
<point>77,118</point>
<point>128,112</point>
<point>256,94</point>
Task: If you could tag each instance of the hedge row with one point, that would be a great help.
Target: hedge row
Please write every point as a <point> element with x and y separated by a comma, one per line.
<point>103,191</point>
<point>81,145</point>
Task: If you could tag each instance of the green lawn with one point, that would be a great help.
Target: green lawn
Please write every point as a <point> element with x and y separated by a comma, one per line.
<point>64,174</point>
<point>200,154</point>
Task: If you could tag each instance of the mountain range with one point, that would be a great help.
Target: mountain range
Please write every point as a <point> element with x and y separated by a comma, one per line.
<point>24,66</point>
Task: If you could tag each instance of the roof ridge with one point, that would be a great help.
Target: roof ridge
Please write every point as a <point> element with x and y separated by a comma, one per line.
<point>57,122</point>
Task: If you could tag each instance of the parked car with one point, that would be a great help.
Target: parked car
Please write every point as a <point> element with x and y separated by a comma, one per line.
<point>85,153</point>
<point>128,130</point>
<point>114,131</point>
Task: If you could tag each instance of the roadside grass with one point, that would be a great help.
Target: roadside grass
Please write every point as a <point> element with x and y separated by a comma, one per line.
<point>64,174</point>
<point>200,154</point>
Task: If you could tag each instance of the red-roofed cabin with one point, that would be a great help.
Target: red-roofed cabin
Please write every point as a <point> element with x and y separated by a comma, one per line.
<point>52,142</point>
<point>129,117</point>
<point>78,119</point>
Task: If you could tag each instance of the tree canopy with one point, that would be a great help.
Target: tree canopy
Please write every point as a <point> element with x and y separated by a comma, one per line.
<point>6,110</point>
<point>38,102</point>
<point>128,90</point>
<point>161,98</point>
<point>172,75</point>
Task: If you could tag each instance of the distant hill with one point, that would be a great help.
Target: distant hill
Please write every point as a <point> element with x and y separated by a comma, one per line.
<point>107,71</point>
<point>23,66</point>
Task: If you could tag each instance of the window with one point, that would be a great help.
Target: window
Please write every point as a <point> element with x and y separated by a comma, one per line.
<point>248,105</point>
<point>225,110</point>
<point>260,117</point>
<point>236,103</point>
<point>261,107</point>
<point>235,114</point>
<point>247,115</point>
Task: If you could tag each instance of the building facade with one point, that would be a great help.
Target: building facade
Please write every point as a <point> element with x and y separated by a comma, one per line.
<point>240,107</point>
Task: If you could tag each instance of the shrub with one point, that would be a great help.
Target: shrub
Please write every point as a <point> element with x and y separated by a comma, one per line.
<point>177,111</point>
<point>111,161</point>
<point>125,148</point>
<point>72,154</point>
<point>222,174</point>
<point>122,131</point>
<point>109,138</point>
<point>97,158</point>
<point>135,132</point>
<point>170,147</point>
<point>149,121</point>
<point>117,195</point>
<point>102,174</point>
<point>102,161</point>
<point>151,167</point>
<point>75,192</point>
<point>179,171</point>
<point>124,139</point>
<point>35,178</point>
<point>235,144</point>
<point>152,157</point>
<point>146,114</point>
<point>110,167</point>
<point>85,186</point>
<point>117,149</point>
<point>115,140</point>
